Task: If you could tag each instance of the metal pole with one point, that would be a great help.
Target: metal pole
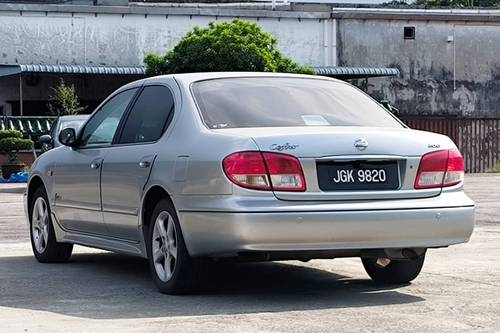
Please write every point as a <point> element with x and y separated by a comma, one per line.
<point>325,43</point>
<point>454,60</point>
<point>33,150</point>
<point>21,93</point>
<point>334,42</point>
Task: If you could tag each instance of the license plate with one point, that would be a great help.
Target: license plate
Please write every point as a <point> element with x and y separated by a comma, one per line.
<point>358,175</point>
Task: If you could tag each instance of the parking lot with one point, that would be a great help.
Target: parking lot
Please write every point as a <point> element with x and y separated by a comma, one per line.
<point>97,291</point>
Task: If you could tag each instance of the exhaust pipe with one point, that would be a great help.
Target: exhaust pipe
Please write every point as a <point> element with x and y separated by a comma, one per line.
<point>409,253</point>
<point>406,253</point>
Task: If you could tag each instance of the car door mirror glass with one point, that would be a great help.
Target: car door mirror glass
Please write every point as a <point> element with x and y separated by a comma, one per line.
<point>68,136</point>
<point>47,139</point>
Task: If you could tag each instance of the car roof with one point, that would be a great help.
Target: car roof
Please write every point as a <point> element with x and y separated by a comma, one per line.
<point>193,77</point>
<point>188,78</point>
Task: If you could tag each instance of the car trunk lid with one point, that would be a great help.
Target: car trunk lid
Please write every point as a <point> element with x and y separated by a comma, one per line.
<point>326,151</point>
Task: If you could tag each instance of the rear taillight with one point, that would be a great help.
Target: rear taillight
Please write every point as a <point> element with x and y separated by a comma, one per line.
<point>440,169</point>
<point>247,169</point>
<point>285,172</point>
<point>265,171</point>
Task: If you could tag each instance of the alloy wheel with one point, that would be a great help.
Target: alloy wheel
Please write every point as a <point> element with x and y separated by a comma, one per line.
<point>40,224</point>
<point>164,246</point>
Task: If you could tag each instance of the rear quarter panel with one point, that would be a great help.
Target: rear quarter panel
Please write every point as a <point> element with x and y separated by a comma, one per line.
<point>190,158</point>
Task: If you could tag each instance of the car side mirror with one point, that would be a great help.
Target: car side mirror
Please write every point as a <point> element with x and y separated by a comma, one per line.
<point>68,137</point>
<point>47,139</point>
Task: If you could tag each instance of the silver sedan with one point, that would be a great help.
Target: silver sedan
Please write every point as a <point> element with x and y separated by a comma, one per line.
<point>184,169</point>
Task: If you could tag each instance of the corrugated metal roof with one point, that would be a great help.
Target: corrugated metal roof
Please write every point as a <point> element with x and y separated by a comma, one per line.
<point>71,69</point>
<point>356,72</point>
<point>337,72</point>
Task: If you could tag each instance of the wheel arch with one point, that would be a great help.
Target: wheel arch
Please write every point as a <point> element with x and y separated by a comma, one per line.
<point>34,183</point>
<point>151,197</point>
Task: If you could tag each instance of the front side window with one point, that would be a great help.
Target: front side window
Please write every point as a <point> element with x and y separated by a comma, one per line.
<point>282,102</point>
<point>149,115</point>
<point>101,129</point>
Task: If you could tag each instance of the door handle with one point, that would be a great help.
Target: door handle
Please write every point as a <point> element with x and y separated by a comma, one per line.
<point>144,164</point>
<point>95,165</point>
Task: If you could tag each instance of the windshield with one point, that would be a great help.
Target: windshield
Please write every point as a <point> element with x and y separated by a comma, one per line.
<point>281,102</point>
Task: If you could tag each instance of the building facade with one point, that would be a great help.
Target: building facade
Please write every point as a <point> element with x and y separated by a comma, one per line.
<point>448,59</point>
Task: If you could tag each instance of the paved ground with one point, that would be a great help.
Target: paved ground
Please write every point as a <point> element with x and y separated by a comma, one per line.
<point>458,289</point>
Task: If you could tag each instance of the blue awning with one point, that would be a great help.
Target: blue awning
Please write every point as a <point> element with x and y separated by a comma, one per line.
<point>71,69</point>
<point>355,72</point>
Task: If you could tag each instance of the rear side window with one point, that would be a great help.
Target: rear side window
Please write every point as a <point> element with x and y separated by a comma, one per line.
<point>149,115</point>
<point>281,102</point>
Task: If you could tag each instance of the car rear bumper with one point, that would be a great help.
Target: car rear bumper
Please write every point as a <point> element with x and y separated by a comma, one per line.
<point>228,233</point>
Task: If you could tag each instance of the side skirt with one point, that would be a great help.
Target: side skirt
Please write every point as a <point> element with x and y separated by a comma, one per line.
<point>97,241</point>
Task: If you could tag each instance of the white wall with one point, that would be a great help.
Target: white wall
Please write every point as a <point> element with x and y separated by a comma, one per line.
<point>116,40</point>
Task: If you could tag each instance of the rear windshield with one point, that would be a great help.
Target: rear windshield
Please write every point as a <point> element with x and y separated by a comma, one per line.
<point>282,102</point>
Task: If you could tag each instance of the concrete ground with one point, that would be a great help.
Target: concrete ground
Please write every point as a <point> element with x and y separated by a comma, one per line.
<point>458,289</point>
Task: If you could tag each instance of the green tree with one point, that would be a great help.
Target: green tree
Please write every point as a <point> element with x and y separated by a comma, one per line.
<point>227,46</point>
<point>64,100</point>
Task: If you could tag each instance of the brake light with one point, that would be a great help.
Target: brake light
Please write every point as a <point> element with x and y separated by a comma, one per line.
<point>265,171</point>
<point>247,169</point>
<point>440,169</point>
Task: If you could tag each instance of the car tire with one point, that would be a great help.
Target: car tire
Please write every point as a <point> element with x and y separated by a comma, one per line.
<point>395,272</point>
<point>173,270</point>
<point>43,239</point>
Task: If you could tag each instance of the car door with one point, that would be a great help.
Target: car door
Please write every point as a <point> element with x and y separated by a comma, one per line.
<point>77,174</point>
<point>127,166</point>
